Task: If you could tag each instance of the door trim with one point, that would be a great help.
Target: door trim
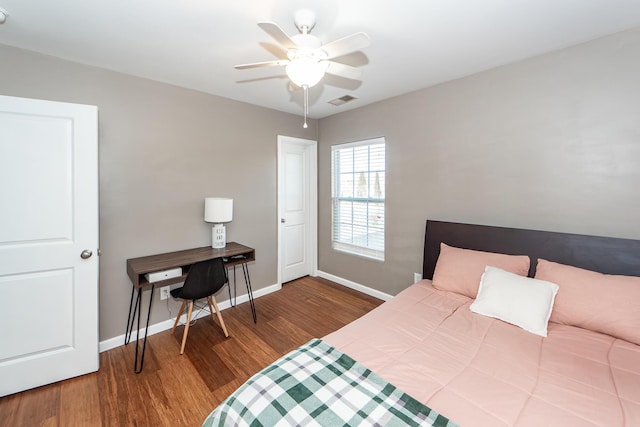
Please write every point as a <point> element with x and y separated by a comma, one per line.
<point>312,244</point>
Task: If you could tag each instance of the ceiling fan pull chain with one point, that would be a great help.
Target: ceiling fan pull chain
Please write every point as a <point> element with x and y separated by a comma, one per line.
<point>306,104</point>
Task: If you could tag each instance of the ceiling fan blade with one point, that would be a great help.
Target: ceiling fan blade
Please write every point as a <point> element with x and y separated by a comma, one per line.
<point>346,45</point>
<point>278,34</point>
<point>262,64</point>
<point>344,70</point>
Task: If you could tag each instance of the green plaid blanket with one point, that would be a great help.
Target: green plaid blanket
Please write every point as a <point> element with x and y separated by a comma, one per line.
<point>317,385</point>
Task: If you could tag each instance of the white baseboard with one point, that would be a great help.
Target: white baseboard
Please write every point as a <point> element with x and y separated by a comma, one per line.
<point>114,342</point>
<point>357,286</point>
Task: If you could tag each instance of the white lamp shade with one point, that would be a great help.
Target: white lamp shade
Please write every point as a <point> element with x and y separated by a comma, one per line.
<point>305,71</point>
<point>218,209</point>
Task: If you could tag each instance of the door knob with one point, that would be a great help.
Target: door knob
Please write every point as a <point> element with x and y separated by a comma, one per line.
<point>86,254</point>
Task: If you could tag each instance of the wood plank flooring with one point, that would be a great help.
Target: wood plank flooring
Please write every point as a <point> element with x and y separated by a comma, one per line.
<point>175,390</point>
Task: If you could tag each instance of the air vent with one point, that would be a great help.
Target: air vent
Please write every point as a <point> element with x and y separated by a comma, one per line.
<point>342,100</point>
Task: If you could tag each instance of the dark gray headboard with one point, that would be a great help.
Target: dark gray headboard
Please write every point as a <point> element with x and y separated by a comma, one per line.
<point>603,254</point>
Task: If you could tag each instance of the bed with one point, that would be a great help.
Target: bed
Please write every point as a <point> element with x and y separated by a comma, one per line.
<point>446,351</point>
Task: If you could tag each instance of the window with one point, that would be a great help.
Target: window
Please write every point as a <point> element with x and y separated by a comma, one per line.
<point>358,177</point>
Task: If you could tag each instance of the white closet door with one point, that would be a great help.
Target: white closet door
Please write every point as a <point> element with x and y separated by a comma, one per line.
<point>297,207</point>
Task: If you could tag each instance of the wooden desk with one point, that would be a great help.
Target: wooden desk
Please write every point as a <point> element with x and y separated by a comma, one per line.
<point>138,267</point>
<point>233,254</point>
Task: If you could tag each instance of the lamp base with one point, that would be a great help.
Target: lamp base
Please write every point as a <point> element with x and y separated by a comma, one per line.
<point>218,236</point>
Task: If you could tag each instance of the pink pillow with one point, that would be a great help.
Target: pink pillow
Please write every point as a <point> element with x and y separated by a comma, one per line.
<point>459,270</point>
<point>590,300</point>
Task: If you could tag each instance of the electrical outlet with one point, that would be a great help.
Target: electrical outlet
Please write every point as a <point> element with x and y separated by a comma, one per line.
<point>164,292</point>
<point>417,277</point>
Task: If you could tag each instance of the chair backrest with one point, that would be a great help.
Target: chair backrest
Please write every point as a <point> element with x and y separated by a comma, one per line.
<point>205,278</point>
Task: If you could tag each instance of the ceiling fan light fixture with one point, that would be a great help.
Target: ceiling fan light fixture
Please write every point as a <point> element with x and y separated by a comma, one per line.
<point>309,59</point>
<point>305,71</point>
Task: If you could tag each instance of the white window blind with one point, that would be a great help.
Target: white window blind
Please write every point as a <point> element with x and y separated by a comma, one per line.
<point>358,192</point>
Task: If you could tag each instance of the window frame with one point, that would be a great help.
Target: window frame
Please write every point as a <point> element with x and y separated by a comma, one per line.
<point>354,249</point>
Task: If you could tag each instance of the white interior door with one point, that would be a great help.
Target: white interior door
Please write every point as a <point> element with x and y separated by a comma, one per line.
<point>297,206</point>
<point>49,216</point>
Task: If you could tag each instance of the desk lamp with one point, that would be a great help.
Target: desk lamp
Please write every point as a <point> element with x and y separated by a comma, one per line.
<point>218,210</point>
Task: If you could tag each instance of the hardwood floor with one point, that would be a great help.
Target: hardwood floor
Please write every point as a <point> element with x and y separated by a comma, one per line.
<point>181,390</point>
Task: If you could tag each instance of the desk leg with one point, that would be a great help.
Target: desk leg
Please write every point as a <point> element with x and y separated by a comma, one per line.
<point>247,281</point>
<point>137,364</point>
<point>137,368</point>
<point>229,289</point>
<point>130,317</point>
<point>232,302</point>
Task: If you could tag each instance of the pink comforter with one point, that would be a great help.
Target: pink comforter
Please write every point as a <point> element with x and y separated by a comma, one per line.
<point>479,371</point>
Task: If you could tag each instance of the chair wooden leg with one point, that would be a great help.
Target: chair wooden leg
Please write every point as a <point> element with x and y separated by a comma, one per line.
<point>184,302</point>
<point>211,309</point>
<point>186,327</point>
<point>224,328</point>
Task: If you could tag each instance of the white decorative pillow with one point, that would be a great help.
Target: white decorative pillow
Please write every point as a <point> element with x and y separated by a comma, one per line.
<point>518,300</point>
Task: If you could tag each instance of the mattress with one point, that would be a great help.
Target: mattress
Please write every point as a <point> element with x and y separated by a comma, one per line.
<point>479,371</point>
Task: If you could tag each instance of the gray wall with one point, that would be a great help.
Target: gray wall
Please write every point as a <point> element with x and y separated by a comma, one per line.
<point>549,143</point>
<point>163,149</point>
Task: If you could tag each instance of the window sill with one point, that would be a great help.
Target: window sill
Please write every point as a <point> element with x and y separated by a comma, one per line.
<point>359,254</point>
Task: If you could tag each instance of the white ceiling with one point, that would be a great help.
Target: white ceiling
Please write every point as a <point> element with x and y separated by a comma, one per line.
<point>414,43</point>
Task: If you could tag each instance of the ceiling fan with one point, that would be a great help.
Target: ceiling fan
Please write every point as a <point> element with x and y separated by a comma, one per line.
<point>307,59</point>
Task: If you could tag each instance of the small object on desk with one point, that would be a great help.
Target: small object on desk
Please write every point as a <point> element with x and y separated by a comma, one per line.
<point>218,210</point>
<point>163,275</point>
